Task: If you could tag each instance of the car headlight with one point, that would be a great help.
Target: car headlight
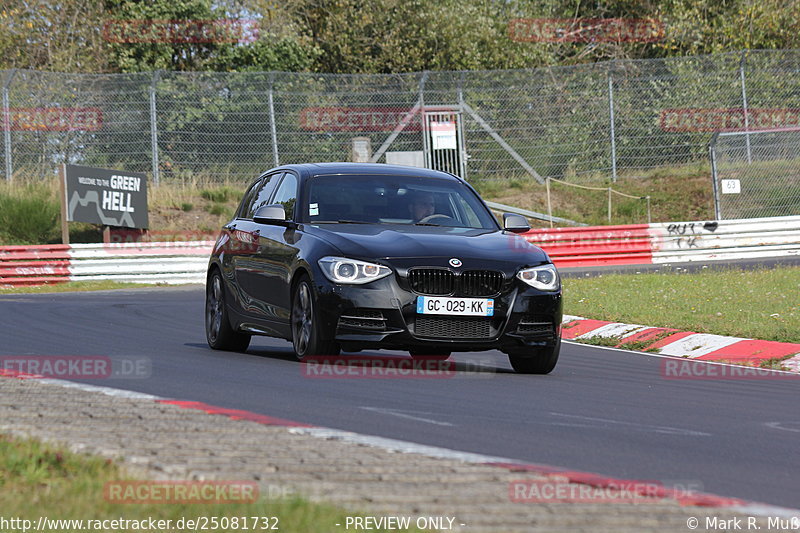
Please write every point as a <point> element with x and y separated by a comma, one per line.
<point>351,271</point>
<point>543,277</point>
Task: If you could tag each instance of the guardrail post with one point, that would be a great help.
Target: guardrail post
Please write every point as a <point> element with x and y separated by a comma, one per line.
<point>7,127</point>
<point>154,128</point>
<point>611,122</point>
<point>273,130</point>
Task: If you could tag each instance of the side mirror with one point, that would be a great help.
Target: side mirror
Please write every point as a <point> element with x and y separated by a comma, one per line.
<point>270,214</point>
<point>515,223</point>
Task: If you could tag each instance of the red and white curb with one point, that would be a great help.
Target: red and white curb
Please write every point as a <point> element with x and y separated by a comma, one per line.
<point>398,446</point>
<point>669,341</point>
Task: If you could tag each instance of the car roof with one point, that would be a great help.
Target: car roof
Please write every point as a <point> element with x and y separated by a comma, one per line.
<point>318,169</point>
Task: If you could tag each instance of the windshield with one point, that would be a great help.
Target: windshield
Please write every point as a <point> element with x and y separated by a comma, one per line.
<point>392,199</point>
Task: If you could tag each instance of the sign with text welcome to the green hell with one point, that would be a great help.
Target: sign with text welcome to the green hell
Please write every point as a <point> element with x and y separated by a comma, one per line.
<point>108,197</point>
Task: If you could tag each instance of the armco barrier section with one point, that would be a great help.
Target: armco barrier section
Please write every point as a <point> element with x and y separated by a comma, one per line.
<point>635,244</point>
<point>142,262</point>
<point>672,242</point>
<point>592,246</point>
<point>752,238</point>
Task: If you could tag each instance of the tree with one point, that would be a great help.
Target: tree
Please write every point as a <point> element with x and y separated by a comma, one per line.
<point>48,35</point>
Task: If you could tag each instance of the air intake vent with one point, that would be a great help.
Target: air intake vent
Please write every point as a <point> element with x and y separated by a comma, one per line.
<point>439,282</point>
<point>450,327</point>
<point>363,318</point>
<point>535,325</point>
<point>431,281</point>
<point>481,282</point>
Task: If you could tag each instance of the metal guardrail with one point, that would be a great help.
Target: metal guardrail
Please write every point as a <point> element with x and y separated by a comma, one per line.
<point>670,242</point>
<point>145,262</point>
<point>635,244</point>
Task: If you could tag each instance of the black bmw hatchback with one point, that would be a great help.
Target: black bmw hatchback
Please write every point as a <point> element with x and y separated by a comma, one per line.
<point>354,256</point>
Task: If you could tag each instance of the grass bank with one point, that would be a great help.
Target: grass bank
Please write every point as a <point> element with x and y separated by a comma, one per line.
<point>30,212</point>
<point>760,304</point>
<point>42,480</point>
<point>676,194</point>
<point>195,207</point>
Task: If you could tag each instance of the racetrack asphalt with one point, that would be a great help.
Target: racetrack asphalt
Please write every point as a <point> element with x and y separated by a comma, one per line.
<point>602,410</point>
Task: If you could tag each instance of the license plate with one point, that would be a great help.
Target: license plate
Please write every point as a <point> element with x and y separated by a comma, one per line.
<point>435,305</point>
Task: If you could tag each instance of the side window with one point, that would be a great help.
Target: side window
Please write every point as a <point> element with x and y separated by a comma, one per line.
<point>287,194</point>
<point>261,198</point>
<point>247,199</point>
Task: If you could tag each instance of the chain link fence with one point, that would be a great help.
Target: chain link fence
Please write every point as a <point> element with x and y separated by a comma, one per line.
<point>576,123</point>
<point>756,174</point>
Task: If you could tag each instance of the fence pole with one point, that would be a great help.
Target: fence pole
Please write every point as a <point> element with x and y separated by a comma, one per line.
<point>426,148</point>
<point>273,130</point>
<point>744,105</point>
<point>154,128</point>
<point>7,126</point>
<point>462,145</point>
<point>609,205</point>
<point>549,205</point>
<point>712,151</point>
<point>611,122</point>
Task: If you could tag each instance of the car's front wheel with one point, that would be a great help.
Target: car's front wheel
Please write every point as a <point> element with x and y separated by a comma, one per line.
<point>535,360</point>
<point>306,336</point>
<point>219,333</point>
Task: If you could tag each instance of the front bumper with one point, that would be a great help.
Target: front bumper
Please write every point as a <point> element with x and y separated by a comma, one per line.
<point>382,314</point>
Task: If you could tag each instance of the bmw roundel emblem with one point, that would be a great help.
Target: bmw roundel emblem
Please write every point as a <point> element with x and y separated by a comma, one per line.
<point>455,262</point>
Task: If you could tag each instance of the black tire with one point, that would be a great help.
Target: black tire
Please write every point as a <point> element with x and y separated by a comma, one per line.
<point>429,354</point>
<point>537,361</point>
<point>306,336</point>
<point>219,333</point>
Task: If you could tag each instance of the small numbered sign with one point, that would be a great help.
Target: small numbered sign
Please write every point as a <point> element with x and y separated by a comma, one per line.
<point>731,187</point>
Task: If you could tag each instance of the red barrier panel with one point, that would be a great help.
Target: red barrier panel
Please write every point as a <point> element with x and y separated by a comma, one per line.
<point>43,269</point>
<point>34,264</point>
<point>595,246</point>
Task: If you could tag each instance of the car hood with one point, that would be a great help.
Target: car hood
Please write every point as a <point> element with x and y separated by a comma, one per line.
<point>405,245</point>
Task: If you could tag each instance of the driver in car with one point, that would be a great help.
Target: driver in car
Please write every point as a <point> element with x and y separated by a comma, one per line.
<point>422,206</point>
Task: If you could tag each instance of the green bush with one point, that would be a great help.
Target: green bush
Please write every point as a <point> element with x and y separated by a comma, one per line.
<point>219,196</point>
<point>217,209</point>
<point>29,215</point>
